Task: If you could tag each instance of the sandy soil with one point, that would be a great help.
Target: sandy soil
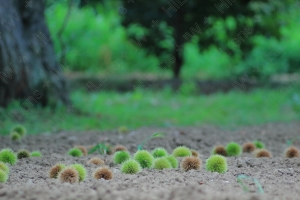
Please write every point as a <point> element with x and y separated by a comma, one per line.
<point>280,177</point>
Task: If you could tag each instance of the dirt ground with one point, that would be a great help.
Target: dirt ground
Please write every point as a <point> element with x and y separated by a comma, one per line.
<point>279,176</point>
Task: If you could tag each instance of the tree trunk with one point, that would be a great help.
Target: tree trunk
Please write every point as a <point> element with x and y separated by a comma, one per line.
<point>178,37</point>
<point>177,65</point>
<point>28,67</point>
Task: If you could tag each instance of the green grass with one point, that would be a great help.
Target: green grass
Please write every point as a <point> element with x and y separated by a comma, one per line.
<point>110,110</point>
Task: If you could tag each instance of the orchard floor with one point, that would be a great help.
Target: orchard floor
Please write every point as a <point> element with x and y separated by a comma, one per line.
<point>279,177</point>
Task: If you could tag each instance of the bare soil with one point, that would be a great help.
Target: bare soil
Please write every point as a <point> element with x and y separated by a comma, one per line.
<point>279,176</point>
<point>131,82</point>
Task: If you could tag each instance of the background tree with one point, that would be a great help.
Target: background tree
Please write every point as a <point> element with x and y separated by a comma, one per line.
<point>196,19</point>
<point>28,67</point>
<point>167,25</point>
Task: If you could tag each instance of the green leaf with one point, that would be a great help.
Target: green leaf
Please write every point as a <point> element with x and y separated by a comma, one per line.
<point>95,148</point>
<point>140,147</point>
<point>101,148</point>
<point>245,188</point>
<point>157,135</point>
<point>290,142</point>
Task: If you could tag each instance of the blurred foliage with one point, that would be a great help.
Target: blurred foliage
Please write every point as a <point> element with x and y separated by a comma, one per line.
<point>110,110</point>
<point>96,41</point>
<point>188,88</point>
<point>208,22</point>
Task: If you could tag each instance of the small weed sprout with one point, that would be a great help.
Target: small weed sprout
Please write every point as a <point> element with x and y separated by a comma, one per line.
<point>246,189</point>
<point>23,154</point>
<point>101,148</point>
<point>145,158</point>
<point>83,149</point>
<point>233,149</point>
<point>54,171</point>
<point>159,152</point>
<point>4,167</point>
<point>155,135</point>
<point>182,151</point>
<point>75,152</point>
<point>35,154</point>
<point>190,162</point>
<point>162,163</point>
<point>292,152</point>
<point>291,141</point>
<point>121,156</point>
<point>81,171</point>
<point>219,150</point>
<point>248,147</point>
<point>8,156</point>
<point>69,175</point>
<point>262,153</point>
<point>15,136</point>
<point>259,144</point>
<point>104,173</point>
<point>96,161</point>
<point>173,161</point>
<point>216,163</point>
<point>3,176</point>
<point>131,167</point>
<point>19,129</point>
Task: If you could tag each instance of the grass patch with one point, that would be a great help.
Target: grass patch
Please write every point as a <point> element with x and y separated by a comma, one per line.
<point>110,110</point>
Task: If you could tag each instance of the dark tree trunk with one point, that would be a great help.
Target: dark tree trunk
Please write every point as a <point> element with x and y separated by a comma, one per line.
<point>177,65</point>
<point>28,67</point>
<point>178,36</point>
